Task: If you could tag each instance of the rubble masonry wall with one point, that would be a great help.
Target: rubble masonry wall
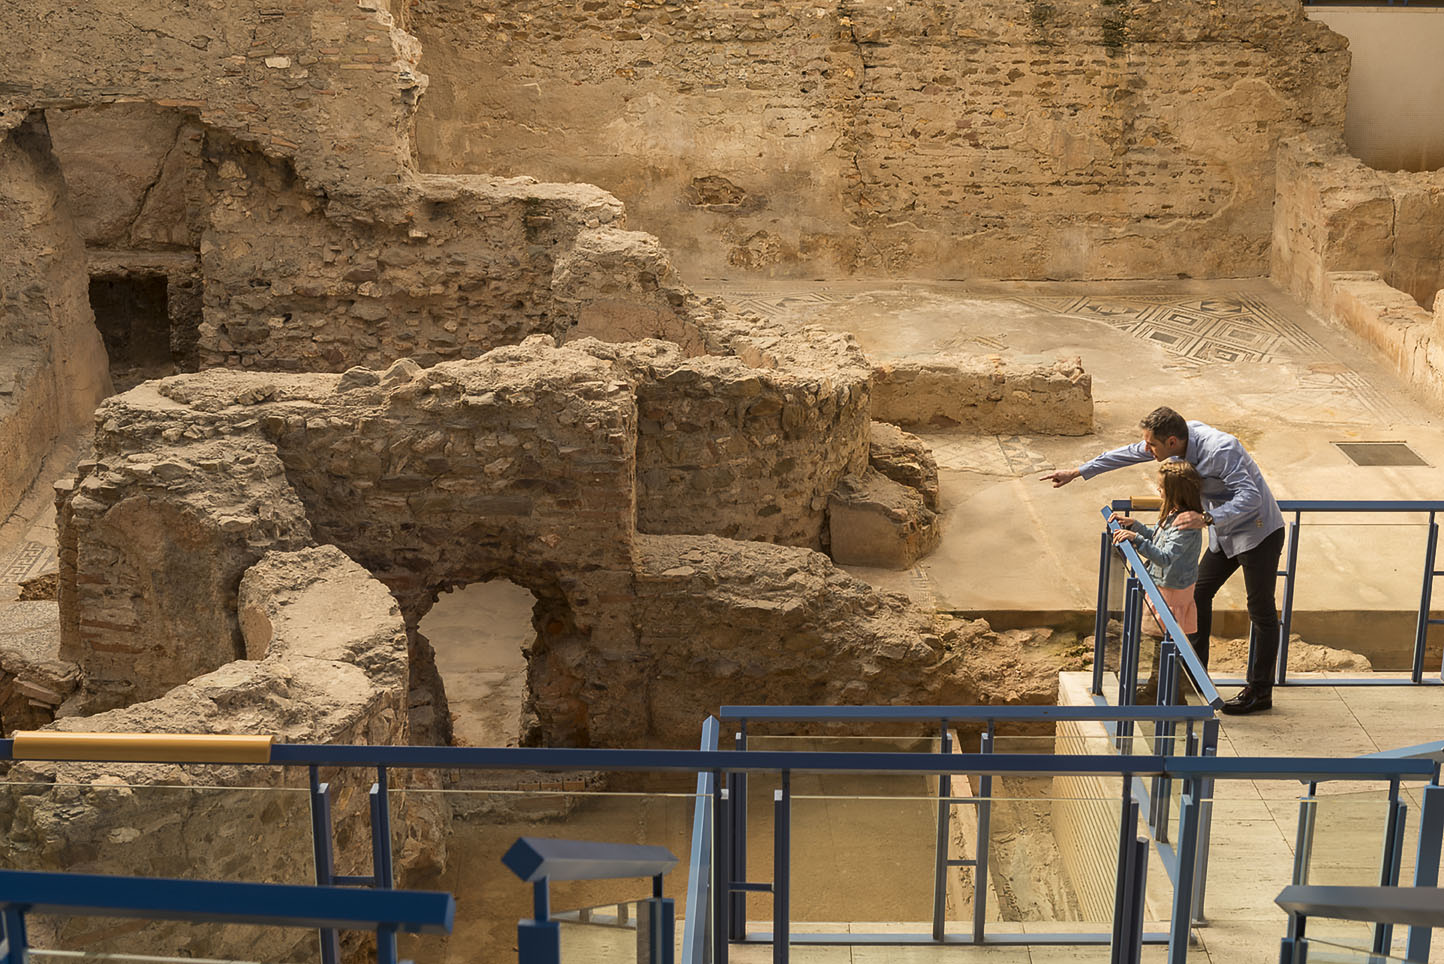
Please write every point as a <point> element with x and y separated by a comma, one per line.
<point>1062,139</point>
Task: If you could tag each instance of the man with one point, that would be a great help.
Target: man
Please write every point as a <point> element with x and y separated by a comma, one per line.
<point>1246,529</point>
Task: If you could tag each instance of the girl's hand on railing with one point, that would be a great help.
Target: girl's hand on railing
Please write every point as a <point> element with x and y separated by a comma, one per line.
<point>1123,535</point>
<point>1127,522</point>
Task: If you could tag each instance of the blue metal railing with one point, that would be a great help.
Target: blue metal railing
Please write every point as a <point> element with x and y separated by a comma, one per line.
<point>1289,574</point>
<point>222,902</point>
<point>1175,645</point>
<point>540,860</point>
<point>1163,718</point>
<point>1196,772</point>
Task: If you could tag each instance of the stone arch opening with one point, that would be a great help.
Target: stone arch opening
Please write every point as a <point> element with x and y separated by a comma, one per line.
<point>479,635</point>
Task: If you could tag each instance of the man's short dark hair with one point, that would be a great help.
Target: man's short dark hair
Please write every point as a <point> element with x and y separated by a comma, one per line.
<point>1164,422</point>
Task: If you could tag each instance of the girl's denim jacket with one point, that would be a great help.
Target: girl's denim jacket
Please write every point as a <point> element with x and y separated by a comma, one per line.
<point>1170,554</point>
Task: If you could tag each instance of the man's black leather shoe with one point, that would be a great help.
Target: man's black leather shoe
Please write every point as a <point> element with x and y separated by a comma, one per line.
<point>1249,700</point>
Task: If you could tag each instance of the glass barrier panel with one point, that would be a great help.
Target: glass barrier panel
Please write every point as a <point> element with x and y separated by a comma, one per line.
<point>1327,952</point>
<point>1052,855</point>
<point>1343,598</point>
<point>609,934</point>
<point>1348,836</point>
<point>453,838</point>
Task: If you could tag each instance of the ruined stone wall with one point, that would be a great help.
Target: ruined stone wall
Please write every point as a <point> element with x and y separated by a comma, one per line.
<point>985,395</point>
<point>1032,139</point>
<point>332,85</point>
<point>1335,214</point>
<point>1392,322</point>
<point>325,663</point>
<point>134,181</point>
<point>295,283</point>
<point>52,363</point>
<point>131,528</point>
<point>752,452</point>
<point>522,464</point>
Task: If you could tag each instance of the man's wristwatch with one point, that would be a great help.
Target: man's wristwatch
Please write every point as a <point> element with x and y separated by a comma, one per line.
<point>1207,518</point>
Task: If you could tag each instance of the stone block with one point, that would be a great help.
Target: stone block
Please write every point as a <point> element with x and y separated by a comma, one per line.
<point>984,395</point>
<point>905,459</point>
<point>874,521</point>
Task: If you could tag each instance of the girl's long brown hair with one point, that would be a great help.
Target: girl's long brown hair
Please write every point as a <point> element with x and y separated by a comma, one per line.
<point>1182,489</point>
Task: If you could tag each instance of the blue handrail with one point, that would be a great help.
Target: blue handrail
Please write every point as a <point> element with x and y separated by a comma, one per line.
<point>386,911</point>
<point>1172,631</point>
<point>1297,507</point>
<point>961,714</point>
<point>660,761</point>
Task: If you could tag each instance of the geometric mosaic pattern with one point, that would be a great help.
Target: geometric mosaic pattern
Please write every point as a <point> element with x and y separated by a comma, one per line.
<point>1008,456</point>
<point>1230,328</point>
<point>32,558</point>
<point>771,304</point>
<point>1239,328</point>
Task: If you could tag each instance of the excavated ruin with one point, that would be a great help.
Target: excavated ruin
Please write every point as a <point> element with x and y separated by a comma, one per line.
<point>359,377</point>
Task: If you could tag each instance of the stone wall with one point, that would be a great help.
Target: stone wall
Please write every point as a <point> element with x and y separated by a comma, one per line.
<point>297,283</point>
<point>331,85</point>
<point>985,395</point>
<point>752,452</point>
<point>522,464</point>
<point>52,363</point>
<point>1390,320</point>
<point>1335,214</point>
<point>1029,139</point>
<point>325,662</point>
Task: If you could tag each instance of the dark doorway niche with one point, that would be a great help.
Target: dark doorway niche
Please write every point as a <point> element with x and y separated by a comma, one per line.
<point>133,317</point>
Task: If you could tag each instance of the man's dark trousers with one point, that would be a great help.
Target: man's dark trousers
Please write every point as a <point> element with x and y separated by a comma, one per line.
<point>1260,574</point>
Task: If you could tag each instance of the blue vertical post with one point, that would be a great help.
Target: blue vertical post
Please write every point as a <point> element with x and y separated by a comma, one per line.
<point>1123,883</point>
<point>1100,617</point>
<point>980,865</point>
<point>1163,731</point>
<point>381,832</point>
<point>1291,566</point>
<point>1421,627</point>
<point>1208,747</point>
<point>721,871</point>
<point>661,926</point>
<point>940,846</point>
<point>1187,852</point>
<point>1128,658</point>
<point>782,870</point>
<point>737,798</point>
<point>539,940</point>
<point>321,848</point>
<point>1390,860</point>
<point>17,945</point>
<point>1426,863</point>
<point>386,944</point>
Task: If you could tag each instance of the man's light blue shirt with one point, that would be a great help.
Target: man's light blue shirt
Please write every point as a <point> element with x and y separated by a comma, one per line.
<point>1244,511</point>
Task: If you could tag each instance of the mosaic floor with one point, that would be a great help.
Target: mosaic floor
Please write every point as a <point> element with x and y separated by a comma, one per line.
<point>1241,355</point>
<point>1225,327</point>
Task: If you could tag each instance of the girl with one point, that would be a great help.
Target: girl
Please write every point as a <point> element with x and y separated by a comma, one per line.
<point>1170,554</point>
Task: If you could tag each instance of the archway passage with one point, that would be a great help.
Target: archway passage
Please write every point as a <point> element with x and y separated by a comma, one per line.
<point>133,319</point>
<point>478,633</point>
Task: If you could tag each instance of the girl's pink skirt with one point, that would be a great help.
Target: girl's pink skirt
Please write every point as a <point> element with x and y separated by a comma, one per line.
<point>1185,611</point>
